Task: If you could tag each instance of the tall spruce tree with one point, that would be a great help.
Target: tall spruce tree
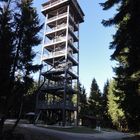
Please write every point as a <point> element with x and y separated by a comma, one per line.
<point>19,30</point>
<point>106,118</point>
<point>27,29</point>
<point>114,111</point>
<point>6,38</point>
<point>95,100</point>
<point>83,103</point>
<point>126,44</point>
<point>27,37</point>
<point>104,96</point>
<point>6,50</point>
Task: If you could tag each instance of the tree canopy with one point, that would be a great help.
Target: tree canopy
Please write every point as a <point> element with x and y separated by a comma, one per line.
<point>19,34</point>
<point>95,100</point>
<point>126,44</point>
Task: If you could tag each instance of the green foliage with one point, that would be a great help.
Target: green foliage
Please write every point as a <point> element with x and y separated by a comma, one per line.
<point>83,103</point>
<point>106,120</point>
<point>95,100</point>
<point>27,29</point>
<point>115,112</point>
<point>104,97</point>
<point>30,99</point>
<point>126,44</point>
<point>19,28</point>
<point>6,50</point>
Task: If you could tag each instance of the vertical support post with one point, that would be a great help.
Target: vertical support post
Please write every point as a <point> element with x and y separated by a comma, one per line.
<point>64,98</point>
<point>66,69</point>
<point>78,81</point>
<point>67,32</point>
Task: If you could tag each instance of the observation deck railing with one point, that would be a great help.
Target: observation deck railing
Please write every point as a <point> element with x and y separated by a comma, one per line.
<point>55,104</point>
<point>55,40</point>
<point>52,3</point>
<point>56,17</point>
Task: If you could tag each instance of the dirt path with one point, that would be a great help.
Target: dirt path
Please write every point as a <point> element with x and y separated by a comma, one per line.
<point>37,133</point>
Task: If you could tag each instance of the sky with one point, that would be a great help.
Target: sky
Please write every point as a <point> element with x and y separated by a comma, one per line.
<point>94,43</point>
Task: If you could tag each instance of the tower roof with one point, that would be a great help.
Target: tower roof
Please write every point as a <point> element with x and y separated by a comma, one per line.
<point>51,5</point>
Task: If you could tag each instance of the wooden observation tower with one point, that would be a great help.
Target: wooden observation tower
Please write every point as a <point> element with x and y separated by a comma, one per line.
<point>57,98</point>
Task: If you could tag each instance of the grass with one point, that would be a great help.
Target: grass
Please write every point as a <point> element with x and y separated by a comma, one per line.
<point>30,134</point>
<point>27,134</point>
<point>108,129</point>
<point>135,137</point>
<point>85,130</point>
<point>132,138</point>
<point>33,134</point>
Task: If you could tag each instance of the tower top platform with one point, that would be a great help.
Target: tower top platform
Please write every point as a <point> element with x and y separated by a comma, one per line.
<point>51,5</point>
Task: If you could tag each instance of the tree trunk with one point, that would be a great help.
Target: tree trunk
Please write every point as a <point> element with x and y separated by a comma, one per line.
<point>19,116</point>
<point>1,127</point>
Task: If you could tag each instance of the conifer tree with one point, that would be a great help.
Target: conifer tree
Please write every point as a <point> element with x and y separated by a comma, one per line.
<point>113,108</point>
<point>27,37</point>
<point>95,100</point>
<point>27,29</point>
<point>126,44</point>
<point>6,50</point>
<point>106,122</point>
<point>19,33</point>
<point>83,103</point>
